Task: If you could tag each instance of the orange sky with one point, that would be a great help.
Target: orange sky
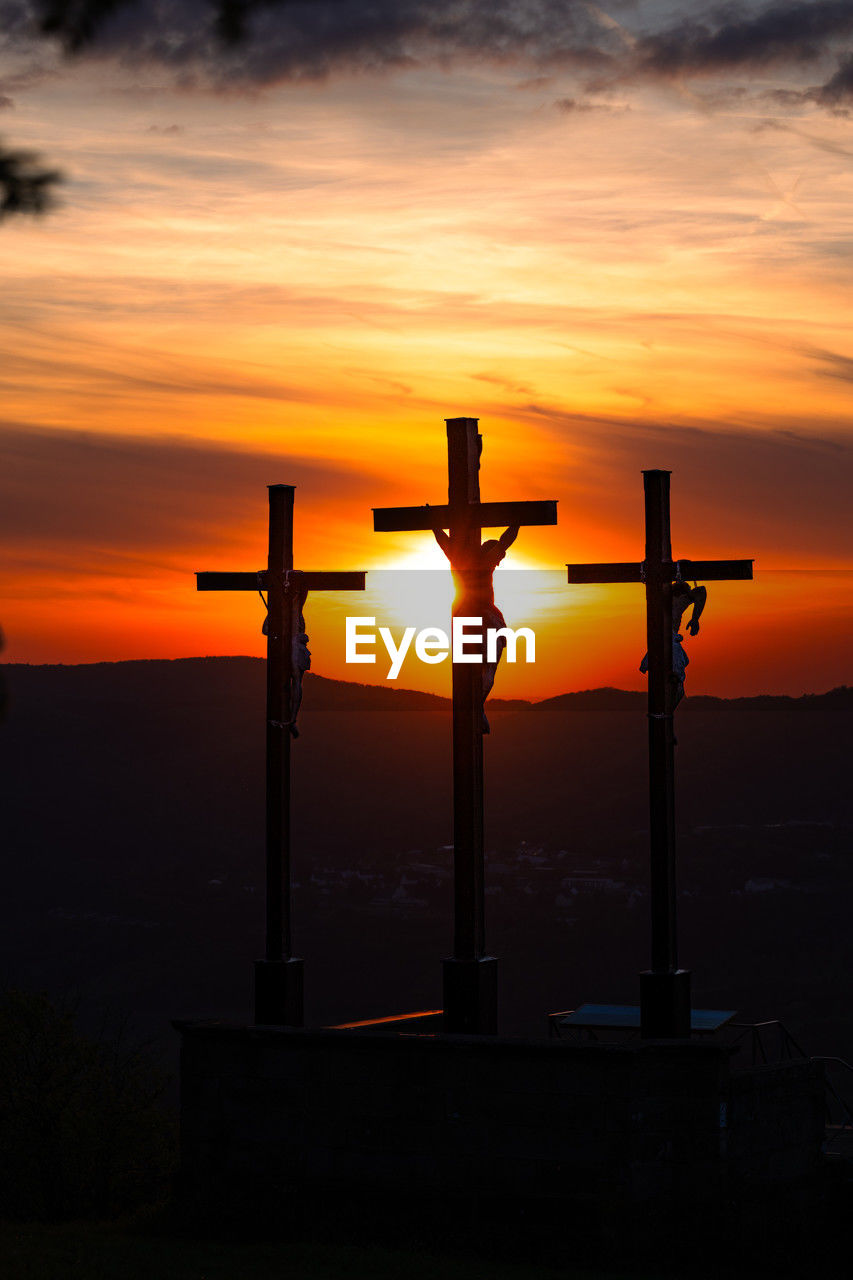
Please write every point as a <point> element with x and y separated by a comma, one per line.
<point>296,282</point>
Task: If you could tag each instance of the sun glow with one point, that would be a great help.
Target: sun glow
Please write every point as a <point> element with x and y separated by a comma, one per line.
<point>416,589</point>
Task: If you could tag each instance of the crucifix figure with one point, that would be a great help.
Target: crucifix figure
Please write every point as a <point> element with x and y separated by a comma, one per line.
<point>664,989</point>
<point>300,654</point>
<point>473,574</point>
<point>682,597</point>
<point>470,975</point>
<point>278,977</point>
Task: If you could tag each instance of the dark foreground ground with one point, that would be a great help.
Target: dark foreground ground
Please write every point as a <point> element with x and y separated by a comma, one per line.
<point>153,1247</point>
<point>108,1253</point>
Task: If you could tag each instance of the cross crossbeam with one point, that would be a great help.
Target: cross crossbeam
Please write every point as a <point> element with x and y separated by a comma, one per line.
<point>483,515</point>
<point>279,976</point>
<point>664,989</point>
<point>470,975</point>
<point>309,580</point>
<point>684,570</point>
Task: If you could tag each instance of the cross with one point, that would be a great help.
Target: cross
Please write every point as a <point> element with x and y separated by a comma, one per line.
<point>470,975</point>
<point>278,977</point>
<point>664,989</point>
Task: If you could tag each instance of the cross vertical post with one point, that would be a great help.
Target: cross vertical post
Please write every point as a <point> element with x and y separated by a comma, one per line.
<point>664,989</point>
<point>279,975</point>
<point>469,976</point>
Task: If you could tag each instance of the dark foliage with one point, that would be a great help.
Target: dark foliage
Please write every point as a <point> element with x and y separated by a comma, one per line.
<point>25,186</point>
<point>82,1130</point>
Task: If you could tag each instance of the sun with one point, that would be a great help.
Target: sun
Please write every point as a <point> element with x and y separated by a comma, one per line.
<point>416,589</point>
<point>412,590</point>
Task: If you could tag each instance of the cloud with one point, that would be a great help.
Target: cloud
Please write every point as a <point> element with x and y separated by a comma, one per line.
<point>780,494</point>
<point>284,40</point>
<point>839,87</point>
<point>835,365</point>
<point>97,379</point>
<point>506,384</point>
<point>821,144</point>
<point>571,106</point>
<point>128,495</point>
<point>792,33</point>
<point>784,37</point>
<point>294,40</point>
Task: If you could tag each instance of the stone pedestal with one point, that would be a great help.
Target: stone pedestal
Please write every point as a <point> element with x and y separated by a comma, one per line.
<point>471,996</point>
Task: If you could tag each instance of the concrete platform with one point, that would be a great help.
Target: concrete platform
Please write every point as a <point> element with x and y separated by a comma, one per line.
<point>272,1113</point>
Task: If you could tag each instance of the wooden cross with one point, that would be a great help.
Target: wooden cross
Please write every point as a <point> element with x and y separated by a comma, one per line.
<point>278,977</point>
<point>664,989</point>
<point>469,976</point>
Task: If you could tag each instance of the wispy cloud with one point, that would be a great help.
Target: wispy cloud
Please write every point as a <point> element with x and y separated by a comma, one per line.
<point>728,483</point>
<point>833,364</point>
<point>82,493</point>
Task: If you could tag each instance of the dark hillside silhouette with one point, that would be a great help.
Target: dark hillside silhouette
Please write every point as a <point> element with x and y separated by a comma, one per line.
<point>133,830</point>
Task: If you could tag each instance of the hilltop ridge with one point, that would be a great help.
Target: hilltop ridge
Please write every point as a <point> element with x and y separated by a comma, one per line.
<point>123,676</point>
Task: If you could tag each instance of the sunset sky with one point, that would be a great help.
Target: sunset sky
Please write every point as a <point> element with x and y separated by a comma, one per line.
<point>621,235</point>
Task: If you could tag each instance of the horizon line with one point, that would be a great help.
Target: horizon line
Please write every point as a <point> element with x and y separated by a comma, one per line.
<point>316,675</point>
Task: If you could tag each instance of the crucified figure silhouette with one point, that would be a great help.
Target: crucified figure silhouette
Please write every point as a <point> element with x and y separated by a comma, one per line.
<point>682,597</point>
<point>472,569</point>
<point>300,655</point>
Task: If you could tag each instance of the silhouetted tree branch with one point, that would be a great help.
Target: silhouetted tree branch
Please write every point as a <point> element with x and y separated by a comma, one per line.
<point>25,187</point>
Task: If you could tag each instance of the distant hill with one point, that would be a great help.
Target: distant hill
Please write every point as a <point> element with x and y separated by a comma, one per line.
<point>133,807</point>
<point>244,676</point>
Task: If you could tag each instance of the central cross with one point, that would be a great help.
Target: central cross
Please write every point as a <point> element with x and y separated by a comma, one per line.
<point>470,975</point>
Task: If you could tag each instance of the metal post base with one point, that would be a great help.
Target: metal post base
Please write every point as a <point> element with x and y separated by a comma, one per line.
<point>665,1005</point>
<point>278,993</point>
<point>471,996</point>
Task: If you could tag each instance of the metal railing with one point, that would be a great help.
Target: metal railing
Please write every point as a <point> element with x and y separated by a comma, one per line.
<point>839,1113</point>
<point>768,1042</point>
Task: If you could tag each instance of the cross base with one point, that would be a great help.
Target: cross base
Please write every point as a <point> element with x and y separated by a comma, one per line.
<point>278,993</point>
<point>665,1005</point>
<point>471,996</point>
